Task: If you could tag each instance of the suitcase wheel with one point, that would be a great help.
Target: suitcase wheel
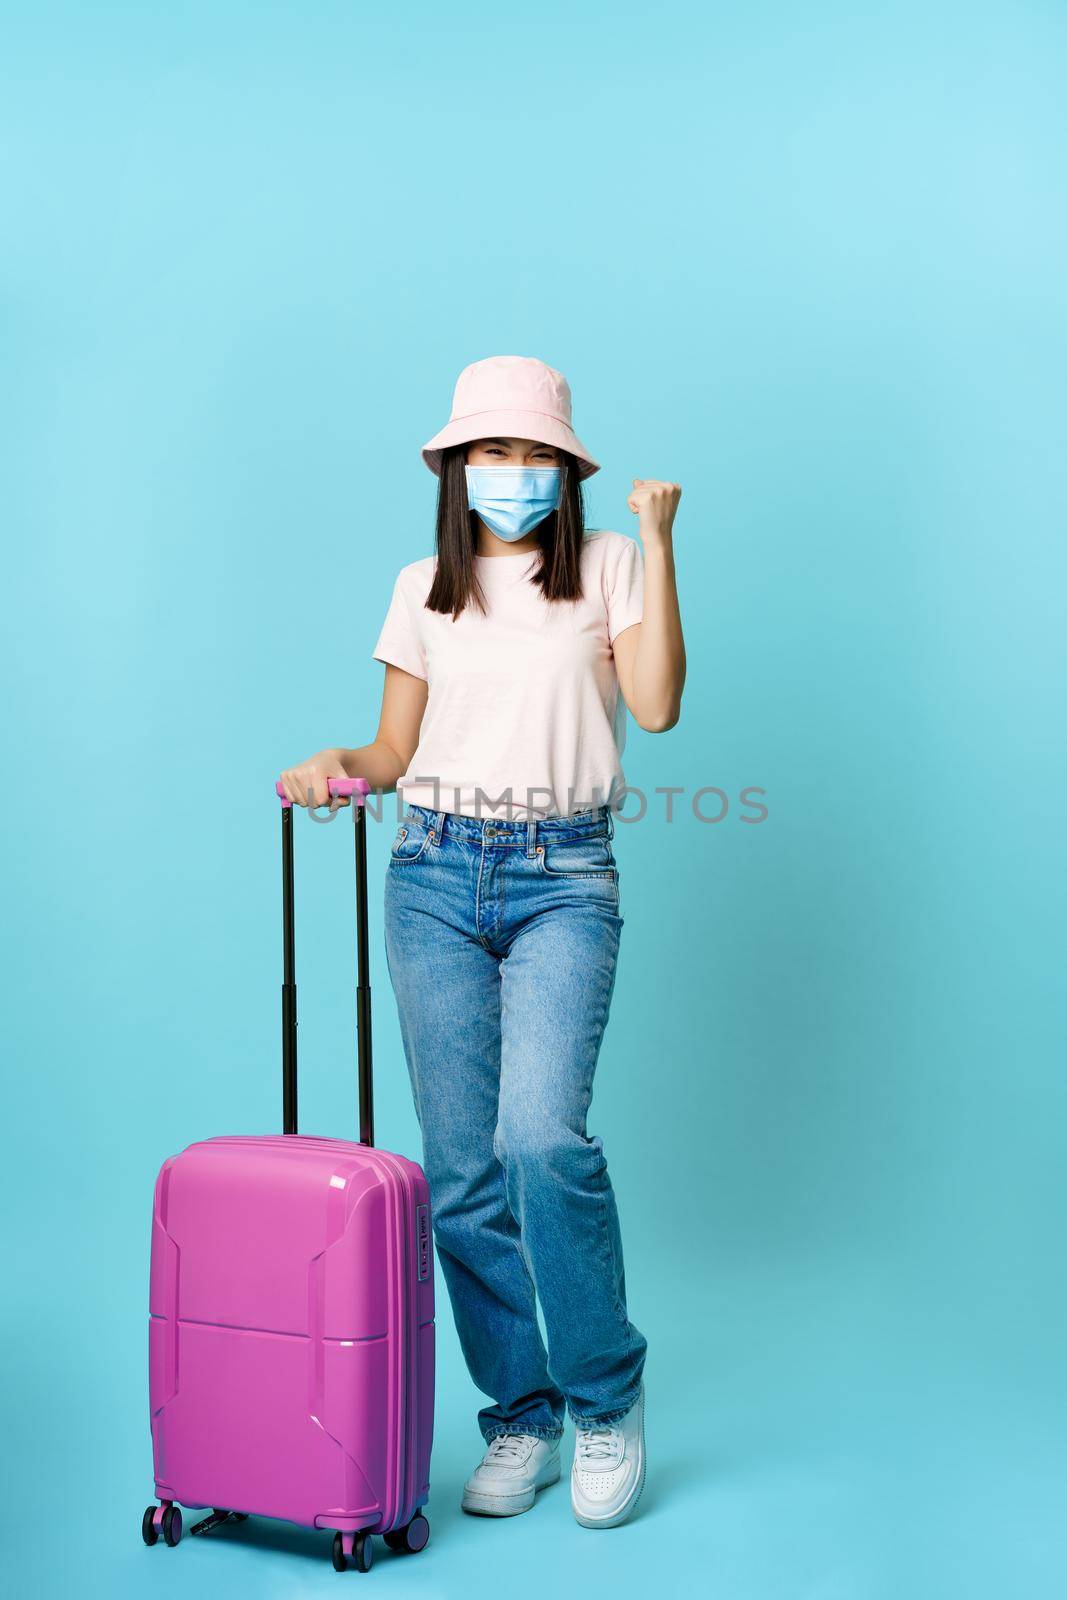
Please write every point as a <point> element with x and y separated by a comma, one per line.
<point>414,1536</point>
<point>168,1519</point>
<point>359,1547</point>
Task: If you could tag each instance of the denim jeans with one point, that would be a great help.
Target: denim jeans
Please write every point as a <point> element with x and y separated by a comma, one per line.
<point>501,940</point>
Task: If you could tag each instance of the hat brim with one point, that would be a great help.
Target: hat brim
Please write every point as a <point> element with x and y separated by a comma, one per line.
<point>508,425</point>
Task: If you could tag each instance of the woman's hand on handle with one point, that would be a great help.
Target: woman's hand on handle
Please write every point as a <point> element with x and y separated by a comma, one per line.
<point>312,777</point>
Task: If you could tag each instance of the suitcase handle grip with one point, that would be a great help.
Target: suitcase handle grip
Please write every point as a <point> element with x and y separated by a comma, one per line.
<point>345,788</point>
<point>357,789</point>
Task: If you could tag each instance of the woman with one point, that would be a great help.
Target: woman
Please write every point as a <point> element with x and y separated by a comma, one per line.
<point>510,658</point>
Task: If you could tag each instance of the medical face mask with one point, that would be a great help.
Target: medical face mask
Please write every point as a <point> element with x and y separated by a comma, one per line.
<point>512,500</point>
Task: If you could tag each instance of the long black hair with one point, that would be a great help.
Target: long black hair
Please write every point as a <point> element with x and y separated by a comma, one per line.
<point>560,535</point>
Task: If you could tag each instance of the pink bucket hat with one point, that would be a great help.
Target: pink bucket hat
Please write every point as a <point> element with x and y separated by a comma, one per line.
<point>515,397</point>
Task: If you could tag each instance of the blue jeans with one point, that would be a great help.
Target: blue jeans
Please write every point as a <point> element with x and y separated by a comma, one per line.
<point>501,940</point>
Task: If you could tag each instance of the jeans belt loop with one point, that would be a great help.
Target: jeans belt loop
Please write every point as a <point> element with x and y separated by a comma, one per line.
<point>611,821</point>
<point>531,837</point>
<point>438,827</point>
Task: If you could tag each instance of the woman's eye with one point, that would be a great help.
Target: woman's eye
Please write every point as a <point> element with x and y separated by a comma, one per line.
<point>540,461</point>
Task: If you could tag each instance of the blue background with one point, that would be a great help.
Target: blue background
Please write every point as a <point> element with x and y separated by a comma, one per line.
<point>806,261</point>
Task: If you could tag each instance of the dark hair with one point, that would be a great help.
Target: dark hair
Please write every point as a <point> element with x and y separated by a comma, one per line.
<point>560,536</point>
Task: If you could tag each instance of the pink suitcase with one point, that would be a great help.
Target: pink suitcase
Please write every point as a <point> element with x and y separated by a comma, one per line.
<point>291,1331</point>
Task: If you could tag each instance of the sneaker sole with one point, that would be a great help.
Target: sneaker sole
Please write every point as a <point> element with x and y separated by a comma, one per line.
<point>504,1505</point>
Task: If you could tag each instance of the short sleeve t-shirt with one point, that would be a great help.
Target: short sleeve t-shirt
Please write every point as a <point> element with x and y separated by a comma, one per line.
<point>524,716</point>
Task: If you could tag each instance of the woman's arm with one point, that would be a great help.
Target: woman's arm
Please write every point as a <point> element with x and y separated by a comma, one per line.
<point>650,655</point>
<point>382,761</point>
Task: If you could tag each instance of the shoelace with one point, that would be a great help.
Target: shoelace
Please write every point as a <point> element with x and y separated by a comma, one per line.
<point>508,1446</point>
<point>594,1444</point>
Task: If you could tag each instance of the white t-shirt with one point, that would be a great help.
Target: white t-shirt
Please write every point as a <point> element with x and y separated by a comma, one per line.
<point>524,716</point>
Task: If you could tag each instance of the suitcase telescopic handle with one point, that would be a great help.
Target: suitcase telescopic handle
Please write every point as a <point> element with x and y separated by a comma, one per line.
<point>355,789</point>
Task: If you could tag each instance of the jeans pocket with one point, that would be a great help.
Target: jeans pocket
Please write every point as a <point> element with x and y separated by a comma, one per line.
<point>578,858</point>
<point>411,840</point>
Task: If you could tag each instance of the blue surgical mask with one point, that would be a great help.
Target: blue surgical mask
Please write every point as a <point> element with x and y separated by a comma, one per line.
<point>512,500</point>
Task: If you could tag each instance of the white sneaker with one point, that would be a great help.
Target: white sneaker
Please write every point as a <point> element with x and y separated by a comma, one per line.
<point>514,1467</point>
<point>609,1469</point>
